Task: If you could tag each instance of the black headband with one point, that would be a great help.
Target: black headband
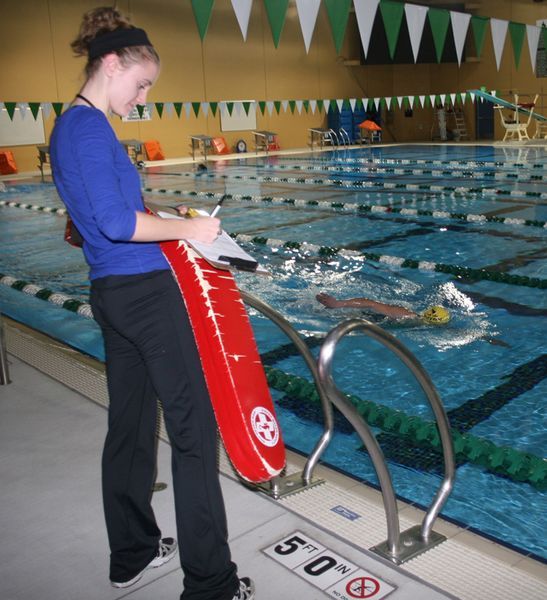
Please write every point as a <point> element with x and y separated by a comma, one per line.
<point>116,40</point>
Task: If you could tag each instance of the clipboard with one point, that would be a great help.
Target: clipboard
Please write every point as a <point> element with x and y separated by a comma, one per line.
<point>224,252</point>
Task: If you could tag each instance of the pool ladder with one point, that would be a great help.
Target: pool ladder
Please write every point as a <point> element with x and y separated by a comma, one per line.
<point>399,546</point>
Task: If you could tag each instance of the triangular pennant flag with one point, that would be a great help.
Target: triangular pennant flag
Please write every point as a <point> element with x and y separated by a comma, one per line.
<point>159,108</point>
<point>352,102</point>
<point>270,106</point>
<point>178,108</point>
<point>23,107</point>
<point>365,11</point>
<point>517,31</point>
<point>46,109</point>
<point>411,101</point>
<point>214,107</point>
<point>230,107</point>
<point>202,13</point>
<point>439,19</point>
<point>307,14</point>
<point>377,103</point>
<point>320,105</point>
<point>422,100</point>
<point>415,20</point>
<point>140,109</point>
<point>285,105</point>
<point>365,103</point>
<point>338,13</point>
<point>392,15</point>
<point>262,106</point>
<point>339,104</point>
<point>34,109</point>
<point>276,10</point>
<point>472,96</point>
<point>306,105</point>
<point>460,25</point>
<point>187,109</point>
<point>196,107</point>
<point>168,108</point>
<point>205,108</point>
<point>463,97</point>
<point>57,107</point>
<point>298,106</point>
<point>277,106</point>
<point>498,27</point>
<point>246,107</point>
<point>453,99</point>
<point>432,99</point>
<point>313,106</point>
<point>242,9</point>
<point>478,24</point>
<point>292,106</point>
<point>532,33</point>
<point>400,101</point>
<point>237,108</point>
<point>443,99</point>
<point>326,104</point>
<point>388,102</point>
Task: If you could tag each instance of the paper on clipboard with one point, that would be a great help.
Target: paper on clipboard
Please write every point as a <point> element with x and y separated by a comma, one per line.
<point>223,246</point>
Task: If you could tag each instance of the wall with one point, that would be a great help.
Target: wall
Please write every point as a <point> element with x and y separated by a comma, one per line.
<point>38,66</point>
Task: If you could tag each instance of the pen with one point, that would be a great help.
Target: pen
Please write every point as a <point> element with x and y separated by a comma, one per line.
<point>217,207</point>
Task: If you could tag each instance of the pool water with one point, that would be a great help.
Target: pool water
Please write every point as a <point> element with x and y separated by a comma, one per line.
<point>488,364</point>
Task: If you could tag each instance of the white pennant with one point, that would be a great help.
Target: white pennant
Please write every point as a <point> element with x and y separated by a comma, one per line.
<point>432,98</point>
<point>498,27</point>
<point>365,11</point>
<point>352,102</point>
<point>313,106</point>
<point>365,103</point>
<point>285,105</point>
<point>340,104</point>
<point>187,108</point>
<point>377,103</point>
<point>299,106</point>
<point>532,33</point>
<point>23,107</point>
<point>463,96</point>
<point>422,100</point>
<point>411,101</point>
<point>168,109</point>
<point>415,19</point>
<point>307,13</point>
<point>472,96</point>
<point>270,106</point>
<point>205,108</point>
<point>453,99</point>
<point>443,98</point>
<point>46,109</point>
<point>400,100</point>
<point>326,104</point>
<point>242,9</point>
<point>460,24</point>
<point>238,107</point>
<point>388,103</point>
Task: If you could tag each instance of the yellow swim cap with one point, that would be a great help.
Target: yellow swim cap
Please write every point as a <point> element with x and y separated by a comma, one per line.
<point>436,315</point>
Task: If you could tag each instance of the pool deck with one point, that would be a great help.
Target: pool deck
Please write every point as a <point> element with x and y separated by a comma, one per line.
<point>54,540</point>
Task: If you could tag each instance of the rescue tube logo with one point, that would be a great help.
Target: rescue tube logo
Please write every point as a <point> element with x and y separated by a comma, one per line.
<point>265,426</point>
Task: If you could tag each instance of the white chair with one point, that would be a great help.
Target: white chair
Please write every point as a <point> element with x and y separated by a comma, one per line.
<point>514,127</point>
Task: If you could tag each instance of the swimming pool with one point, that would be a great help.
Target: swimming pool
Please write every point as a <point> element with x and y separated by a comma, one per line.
<point>413,225</point>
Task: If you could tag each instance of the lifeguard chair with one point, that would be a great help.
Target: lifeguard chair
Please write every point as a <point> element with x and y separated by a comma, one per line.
<point>515,128</point>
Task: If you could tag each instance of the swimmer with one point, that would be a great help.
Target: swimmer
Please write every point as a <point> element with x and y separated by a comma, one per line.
<point>434,315</point>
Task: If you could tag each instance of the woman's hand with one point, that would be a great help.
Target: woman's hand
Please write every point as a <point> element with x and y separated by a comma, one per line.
<point>150,228</point>
<point>204,229</point>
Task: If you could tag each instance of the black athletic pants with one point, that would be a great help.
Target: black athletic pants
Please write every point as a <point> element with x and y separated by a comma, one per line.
<point>151,352</point>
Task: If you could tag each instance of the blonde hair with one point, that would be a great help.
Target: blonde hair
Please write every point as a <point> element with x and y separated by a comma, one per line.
<point>103,20</point>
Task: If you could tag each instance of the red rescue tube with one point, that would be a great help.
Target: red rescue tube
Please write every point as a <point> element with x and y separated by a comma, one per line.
<point>231,364</point>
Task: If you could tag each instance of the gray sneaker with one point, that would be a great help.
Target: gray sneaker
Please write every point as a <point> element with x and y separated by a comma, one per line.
<point>246,589</point>
<point>166,550</point>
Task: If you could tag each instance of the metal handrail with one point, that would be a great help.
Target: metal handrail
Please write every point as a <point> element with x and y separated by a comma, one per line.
<point>348,410</point>
<point>333,133</point>
<point>345,136</point>
<point>309,359</point>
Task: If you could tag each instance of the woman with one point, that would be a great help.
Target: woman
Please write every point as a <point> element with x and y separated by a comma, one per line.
<point>150,348</point>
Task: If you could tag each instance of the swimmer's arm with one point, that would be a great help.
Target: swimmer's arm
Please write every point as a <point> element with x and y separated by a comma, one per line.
<point>389,310</point>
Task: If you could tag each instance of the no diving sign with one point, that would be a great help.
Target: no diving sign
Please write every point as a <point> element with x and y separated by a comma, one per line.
<point>326,570</point>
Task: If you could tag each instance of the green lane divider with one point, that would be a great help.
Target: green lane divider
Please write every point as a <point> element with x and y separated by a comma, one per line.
<point>62,300</point>
<point>531,178</point>
<point>515,464</point>
<point>420,161</point>
<point>354,207</point>
<point>457,271</point>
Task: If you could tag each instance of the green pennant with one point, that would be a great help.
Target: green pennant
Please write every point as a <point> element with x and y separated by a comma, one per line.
<point>178,108</point>
<point>517,31</point>
<point>345,104</point>
<point>230,107</point>
<point>406,103</point>
<point>34,109</point>
<point>246,107</point>
<point>544,34</point>
<point>306,105</point>
<point>196,106</point>
<point>427,102</point>
<point>213,106</point>
<point>439,19</point>
<point>262,105</point>
<point>276,10</point>
<point>140,110</point>
<point>459,98</point>
<point>392,15</point>
<point>10,107</point>
<point>292,105</point>
<point>57,107</point>
<point>383,103</point>
<point>358,104</point>
<point>202,13</point>
<point>320,105</point>
<point>370,104</point>
<point>277,105</point>
<point>159,108</point>
<point>478,25</point>
<point>338,13</point>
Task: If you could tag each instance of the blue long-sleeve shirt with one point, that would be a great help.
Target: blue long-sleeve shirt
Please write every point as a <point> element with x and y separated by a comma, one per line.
<point>101,190</point>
